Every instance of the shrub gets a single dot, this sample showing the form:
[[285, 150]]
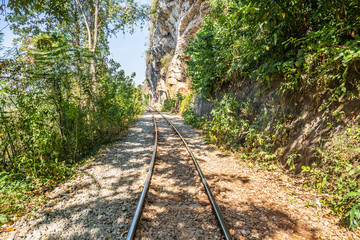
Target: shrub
[[191, 118], [166, 60], [172, 104]]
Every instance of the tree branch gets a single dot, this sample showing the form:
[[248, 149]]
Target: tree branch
[[96, 24], [86, 23]]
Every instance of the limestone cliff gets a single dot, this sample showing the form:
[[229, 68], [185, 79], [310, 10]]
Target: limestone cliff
[[173, 23]]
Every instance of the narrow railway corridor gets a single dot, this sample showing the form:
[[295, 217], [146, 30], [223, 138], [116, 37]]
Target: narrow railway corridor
[[177, 206]]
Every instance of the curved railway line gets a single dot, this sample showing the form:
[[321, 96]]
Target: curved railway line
[[138, 213]]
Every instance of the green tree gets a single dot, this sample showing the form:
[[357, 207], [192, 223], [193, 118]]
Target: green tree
[[60, 94], [310, 43]]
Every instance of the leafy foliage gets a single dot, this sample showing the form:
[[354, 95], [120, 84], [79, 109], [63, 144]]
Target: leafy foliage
[[185, 104], [146, 99], [191, 118], [50, 117], [338, 174], [311, 48], [60, 96], [172, 104], [229, 131], [166, 60], [310, 43]]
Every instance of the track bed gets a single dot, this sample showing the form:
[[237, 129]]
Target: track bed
[[177, 206]]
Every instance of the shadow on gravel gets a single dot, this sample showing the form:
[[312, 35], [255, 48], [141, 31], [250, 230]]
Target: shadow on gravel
[[193, 134], [176, 207], [112, 200], [227, 178], [246, 220], [259, 222], [256, 223], [101, 204]]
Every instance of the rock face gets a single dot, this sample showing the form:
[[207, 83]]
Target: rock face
[[173, 23]]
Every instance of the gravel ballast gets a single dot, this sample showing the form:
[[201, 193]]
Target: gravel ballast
[[99, 204], [177, 206], [256, 203], [261, 204]]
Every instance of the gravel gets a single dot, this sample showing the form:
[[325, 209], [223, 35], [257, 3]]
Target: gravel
[[99, 204], [177, 206], [261, 204], [256, 203]]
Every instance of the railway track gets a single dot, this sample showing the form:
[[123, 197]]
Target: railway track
[[138, 213]]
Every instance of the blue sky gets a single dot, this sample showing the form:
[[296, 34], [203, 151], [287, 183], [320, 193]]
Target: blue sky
[[128, 50]]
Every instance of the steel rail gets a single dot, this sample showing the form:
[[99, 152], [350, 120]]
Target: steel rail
[[140, 206], [219, 216]]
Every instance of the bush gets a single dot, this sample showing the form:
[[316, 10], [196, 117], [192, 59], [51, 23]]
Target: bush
[[185, 104], [50, 120], [309, 43], [169, 105], [312, 47], [166, 60], [191, 118], [172, 104], [337, 174]]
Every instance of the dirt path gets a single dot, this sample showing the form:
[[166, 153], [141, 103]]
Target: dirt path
[[177, 206], [260, 204]]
